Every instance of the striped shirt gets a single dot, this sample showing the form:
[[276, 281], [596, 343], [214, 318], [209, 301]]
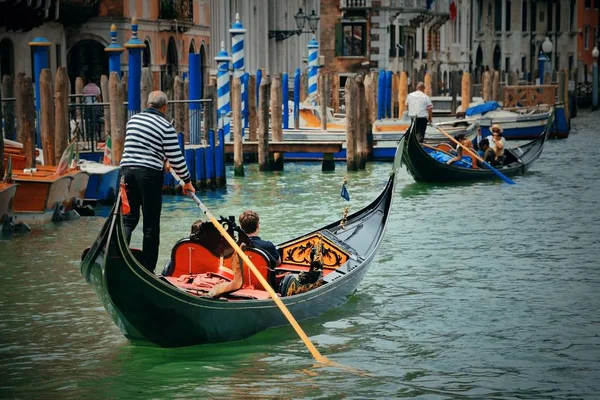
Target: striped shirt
[[149, 140]]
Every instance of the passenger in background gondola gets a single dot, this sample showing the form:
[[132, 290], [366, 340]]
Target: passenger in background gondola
[[497, 142], [464, 142], [249, 222]]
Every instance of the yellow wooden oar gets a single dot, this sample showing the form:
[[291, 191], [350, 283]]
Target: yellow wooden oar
[[313, 350]]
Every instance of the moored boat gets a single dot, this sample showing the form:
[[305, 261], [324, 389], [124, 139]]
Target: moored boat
[[102, 184], [7, 195], [424, 167], [176, 311]]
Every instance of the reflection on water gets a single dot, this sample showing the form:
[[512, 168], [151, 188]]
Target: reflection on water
[[481, 290]]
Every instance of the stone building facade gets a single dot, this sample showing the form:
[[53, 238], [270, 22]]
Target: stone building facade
[[271, 38]]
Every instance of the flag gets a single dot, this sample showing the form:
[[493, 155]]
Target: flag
[[125, 207], [452, 10], [344, 193], [107, 151], [66, 158]]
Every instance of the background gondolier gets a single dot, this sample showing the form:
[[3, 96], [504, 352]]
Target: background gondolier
[[149, 141], [420, 109]]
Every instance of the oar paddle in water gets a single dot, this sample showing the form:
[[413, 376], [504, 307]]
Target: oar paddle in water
[[313, 350], [472, 153]]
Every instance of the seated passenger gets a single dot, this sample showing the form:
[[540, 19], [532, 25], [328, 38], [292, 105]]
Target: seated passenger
[[464, 142], [249, 222], [497, 142]]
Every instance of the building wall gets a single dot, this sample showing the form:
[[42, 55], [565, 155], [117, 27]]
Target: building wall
[[258, 18], [21, 49], [587, 23]]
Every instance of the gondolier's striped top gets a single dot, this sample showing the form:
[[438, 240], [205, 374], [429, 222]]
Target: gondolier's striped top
[[149, 139]]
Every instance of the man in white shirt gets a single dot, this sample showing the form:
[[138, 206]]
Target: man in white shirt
[[420, 109]]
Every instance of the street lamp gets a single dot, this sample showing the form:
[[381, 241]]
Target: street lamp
[[595, 54], [543, 57], [301, 18]]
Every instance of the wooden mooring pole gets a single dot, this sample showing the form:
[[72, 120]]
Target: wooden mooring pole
[[106, 99], [236, 105], [351, 125], [26, 119], [361, 122], [276, 122], [47, 116], [117, 115], [61, 113], [263, 124], [253, 122]]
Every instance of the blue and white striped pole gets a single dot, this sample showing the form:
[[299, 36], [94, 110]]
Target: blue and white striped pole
[[313, 69], [223, 89], [135, 47], [114, 51], [237, 32]]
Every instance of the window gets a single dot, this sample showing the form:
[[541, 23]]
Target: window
[[572, 11], [533, 16], [507, 64], [588, 3], [351, 40], [508, 14], [393, 40], [58, 56], [596, 4], [571, 62], [586, 37], [523, 63], [498, 15], [524, 16], [7, 54]]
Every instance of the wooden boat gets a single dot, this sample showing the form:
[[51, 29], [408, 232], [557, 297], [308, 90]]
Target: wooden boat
[[43, 196], [7, 195], [425, 168], [102, 185], [171, 311]]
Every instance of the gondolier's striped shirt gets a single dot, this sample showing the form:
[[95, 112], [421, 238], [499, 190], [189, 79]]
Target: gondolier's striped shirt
[[149, 139]]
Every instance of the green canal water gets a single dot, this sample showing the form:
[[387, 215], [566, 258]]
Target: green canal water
[[483, 291]]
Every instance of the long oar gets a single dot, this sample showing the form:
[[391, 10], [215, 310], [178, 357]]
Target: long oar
[[472, 153], [313, 350]]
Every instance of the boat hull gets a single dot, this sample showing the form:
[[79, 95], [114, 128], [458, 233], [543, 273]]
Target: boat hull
[[102, 184], [38, 197], [7, 195], [424, 168]]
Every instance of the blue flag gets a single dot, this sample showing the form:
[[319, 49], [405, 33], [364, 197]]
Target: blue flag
[[344, 193]]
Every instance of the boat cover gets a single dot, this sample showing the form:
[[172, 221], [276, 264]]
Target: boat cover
[[482, 108]]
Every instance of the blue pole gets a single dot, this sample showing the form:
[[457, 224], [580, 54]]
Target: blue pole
[[296, 94], [541, 63], [285, 88], [40, 47], [200, 168], [134, 47], [381, 95], [258, 79], [210, 158], [195, 89], [220, 159], [114, 51], [189, 160]]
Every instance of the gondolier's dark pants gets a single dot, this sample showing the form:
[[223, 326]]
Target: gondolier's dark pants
[[144, 189], [421, 127]]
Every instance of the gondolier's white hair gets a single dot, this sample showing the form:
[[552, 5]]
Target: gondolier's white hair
[[157, 99]]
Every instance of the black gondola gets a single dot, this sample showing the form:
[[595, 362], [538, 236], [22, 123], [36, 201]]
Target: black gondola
[[170, 311], [424, 168]]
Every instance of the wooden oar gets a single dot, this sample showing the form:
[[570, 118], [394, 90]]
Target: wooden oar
[[313, 350], [472, 153]]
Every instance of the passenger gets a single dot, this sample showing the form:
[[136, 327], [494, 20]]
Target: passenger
[[485, 151], [249, 222], [464, 142], [497, 143]]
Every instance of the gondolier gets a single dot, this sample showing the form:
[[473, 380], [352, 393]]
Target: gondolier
[[149, 141], [420, 109]]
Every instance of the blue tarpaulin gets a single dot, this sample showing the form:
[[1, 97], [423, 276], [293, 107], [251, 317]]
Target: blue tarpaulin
[[482, 108]]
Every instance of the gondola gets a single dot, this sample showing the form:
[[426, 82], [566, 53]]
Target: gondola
[[173, 309], [425, 168]]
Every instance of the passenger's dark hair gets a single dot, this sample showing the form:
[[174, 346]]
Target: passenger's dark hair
[[249, 221], [459, 136]]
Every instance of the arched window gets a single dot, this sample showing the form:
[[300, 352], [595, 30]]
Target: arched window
[[7, 58], [192, 48], [524, 16], [172, 57], [147, 54], [497, 56]]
